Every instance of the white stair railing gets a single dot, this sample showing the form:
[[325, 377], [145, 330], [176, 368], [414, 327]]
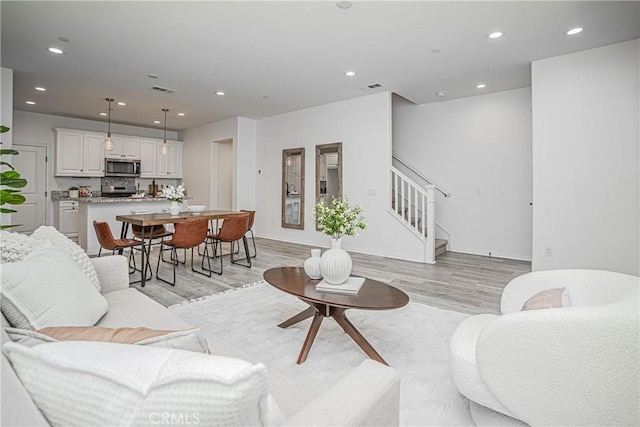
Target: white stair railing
[[414, 206]]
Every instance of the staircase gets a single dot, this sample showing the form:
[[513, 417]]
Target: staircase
[[414, 207]]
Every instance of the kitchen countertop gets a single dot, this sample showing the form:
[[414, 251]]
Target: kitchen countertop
[[115, 199]]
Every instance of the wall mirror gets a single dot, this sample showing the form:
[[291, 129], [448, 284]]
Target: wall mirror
[[293, 188], [328, 172]]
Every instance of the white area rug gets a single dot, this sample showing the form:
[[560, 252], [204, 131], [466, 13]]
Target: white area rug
[[413, 340]]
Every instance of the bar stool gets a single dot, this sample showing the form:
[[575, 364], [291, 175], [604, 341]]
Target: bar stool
[[252, 217], [187, 235], [233, 228], [108, 242]]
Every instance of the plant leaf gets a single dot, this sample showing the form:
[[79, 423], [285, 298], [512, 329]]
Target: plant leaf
[[6, 164], [2, 227], [9, 151], [4, 129], [7, 210]]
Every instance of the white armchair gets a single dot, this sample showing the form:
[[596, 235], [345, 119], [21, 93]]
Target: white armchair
[[576, 365]]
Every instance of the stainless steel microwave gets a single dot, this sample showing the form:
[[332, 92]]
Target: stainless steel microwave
[[114, 167]]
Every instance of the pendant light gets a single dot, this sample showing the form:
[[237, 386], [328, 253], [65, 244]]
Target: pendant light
[[108, 144], [165, 149]]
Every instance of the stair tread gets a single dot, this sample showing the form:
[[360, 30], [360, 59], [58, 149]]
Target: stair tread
[[441, 242]]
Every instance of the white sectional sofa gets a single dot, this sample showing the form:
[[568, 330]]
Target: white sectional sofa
[[369, 395]]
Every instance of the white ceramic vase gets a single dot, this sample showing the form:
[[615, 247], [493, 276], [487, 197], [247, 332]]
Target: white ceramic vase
[[335, 264], [312, 265], [174, 208]]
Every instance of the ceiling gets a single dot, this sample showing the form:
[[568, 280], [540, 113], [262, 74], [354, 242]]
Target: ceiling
[[275, 57]]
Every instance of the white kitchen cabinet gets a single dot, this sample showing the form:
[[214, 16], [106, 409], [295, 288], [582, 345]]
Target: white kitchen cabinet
[[65, 218], [149, 151], [79, 153], [124, 147], [169, 165]]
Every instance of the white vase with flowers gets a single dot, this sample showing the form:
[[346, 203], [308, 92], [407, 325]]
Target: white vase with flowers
[[175, 195], [338, 220]]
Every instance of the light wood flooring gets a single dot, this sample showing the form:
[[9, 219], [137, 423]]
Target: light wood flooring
[[465, 283]]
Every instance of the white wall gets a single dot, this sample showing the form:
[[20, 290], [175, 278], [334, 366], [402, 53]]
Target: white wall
[[479, 148], [363, 125], [246, 171], [585, 159], [200, 154], [6, 119], [37, 129]]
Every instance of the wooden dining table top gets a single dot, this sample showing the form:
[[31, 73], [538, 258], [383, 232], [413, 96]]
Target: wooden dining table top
[[167, 218]]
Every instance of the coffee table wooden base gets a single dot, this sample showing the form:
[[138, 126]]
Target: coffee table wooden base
[[319, 312]]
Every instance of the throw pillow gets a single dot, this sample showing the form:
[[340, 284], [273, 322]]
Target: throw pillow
[[189, 339], [549, 298], [59, 240], [48, 288], [15, 246], [96, 383]]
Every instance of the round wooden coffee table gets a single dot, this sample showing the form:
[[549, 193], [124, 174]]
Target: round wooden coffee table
[[373, 295]]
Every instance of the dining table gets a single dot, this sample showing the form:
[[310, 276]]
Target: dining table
[[153, 219]]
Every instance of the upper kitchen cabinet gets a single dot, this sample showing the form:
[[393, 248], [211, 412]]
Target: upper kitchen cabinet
[[149, 152], [79, 153], [124, 147], [169, 165]]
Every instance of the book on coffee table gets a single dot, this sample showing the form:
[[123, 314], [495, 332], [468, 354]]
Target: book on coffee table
[[350, 287]]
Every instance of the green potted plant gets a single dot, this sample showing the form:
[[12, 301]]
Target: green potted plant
[[74, 192], [10, 183]]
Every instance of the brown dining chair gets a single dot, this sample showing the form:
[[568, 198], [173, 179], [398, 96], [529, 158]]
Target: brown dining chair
[[110, 243], [158, 234], [233, 228], [187, 235], [252, 217]]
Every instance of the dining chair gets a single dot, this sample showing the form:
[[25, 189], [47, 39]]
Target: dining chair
[[187, 235], [233, 229], [108, 242], [158, 234], [252, 217]]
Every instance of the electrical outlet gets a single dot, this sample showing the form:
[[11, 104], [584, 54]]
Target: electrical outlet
[[548, 251]]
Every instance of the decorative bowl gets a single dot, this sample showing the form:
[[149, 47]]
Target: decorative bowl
[[196, 208]]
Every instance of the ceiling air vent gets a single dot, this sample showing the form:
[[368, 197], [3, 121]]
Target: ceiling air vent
[[372, 86], [163, 89]]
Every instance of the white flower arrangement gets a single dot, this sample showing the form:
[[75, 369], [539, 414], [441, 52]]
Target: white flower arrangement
[[339, 218], [173, 194]]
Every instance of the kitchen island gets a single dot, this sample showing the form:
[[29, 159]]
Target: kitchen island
[[106, 209]]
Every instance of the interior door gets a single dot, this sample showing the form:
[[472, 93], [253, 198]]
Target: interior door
[[31, 162]]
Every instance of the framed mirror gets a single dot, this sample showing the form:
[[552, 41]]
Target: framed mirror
[[328, 172], [293, 188]]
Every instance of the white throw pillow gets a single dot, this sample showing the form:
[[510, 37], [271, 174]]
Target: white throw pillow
[[95, 383], [48, 288], [15, 246], [188, 339], [52, 235]]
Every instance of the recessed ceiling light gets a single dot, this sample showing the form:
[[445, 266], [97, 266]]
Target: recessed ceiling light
[[102, 114], [574, 31], [344, 4], [495, 35], [481, 86], [152, 76], [220, 93], [350, 73], [122, 104], [40, 88], [440, 94], [55, 50], [30, 102], [181, 114], [63, 39], [435, 50], [156, 122]]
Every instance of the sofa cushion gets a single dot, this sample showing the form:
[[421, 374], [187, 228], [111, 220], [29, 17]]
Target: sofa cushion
[[95, 383], [48, 288], [15, 246], [52, 235], [189, 339], [130, 308], [548, 298]]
